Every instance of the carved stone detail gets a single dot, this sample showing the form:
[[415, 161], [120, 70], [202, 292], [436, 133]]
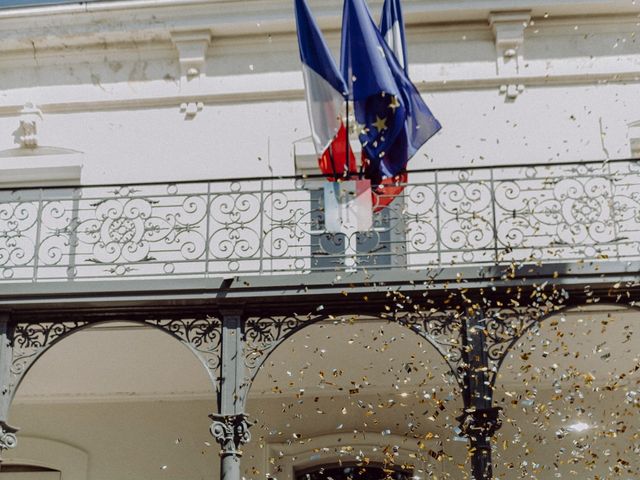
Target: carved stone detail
[[231, 432], [191, 109], [30, 119], [508, 29], [192, 48]]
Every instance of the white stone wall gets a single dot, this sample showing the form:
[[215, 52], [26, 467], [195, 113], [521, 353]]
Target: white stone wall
[[109, 84]]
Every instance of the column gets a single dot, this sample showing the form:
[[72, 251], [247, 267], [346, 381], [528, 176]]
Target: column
[[480, 419], [7, 433], [230, 426]]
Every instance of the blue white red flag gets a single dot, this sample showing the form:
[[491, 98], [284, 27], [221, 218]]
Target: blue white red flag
[[326, 93], [394, 120], [392, 29]]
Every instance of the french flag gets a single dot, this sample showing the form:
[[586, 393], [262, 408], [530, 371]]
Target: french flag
[[392, 29], [326, 93]]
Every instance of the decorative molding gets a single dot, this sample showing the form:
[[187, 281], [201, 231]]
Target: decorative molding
[[232, 18], [191, 109], [508, 29], [40, 167], [98, 103], [30, 121], [192, 48]]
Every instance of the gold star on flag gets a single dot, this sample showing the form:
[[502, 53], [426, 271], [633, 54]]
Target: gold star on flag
[[394, 104], [380, 123]]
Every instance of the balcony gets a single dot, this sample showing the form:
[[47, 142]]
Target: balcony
[[534, 214]]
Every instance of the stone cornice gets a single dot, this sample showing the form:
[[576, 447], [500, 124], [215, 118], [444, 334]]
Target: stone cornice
[[150, 20]]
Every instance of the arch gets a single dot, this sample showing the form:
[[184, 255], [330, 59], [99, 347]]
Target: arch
[[202, 336], [538, 321], [563, 386], [363, 397], [326, 449], [271, 332], [42, 452]]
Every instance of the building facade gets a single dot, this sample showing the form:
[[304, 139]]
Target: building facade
[[159, 190]]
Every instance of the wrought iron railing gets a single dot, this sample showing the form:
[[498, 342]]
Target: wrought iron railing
[[478, 216]]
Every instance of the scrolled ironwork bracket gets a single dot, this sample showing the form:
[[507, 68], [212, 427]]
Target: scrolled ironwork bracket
[[442, 330], [202, 335], [264, 334], [29, 341]]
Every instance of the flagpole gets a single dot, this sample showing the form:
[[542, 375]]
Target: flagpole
[[333, 162]]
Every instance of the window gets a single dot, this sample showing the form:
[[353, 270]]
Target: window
[[634, 139], [354, 472], [384, 246], [28, 472]]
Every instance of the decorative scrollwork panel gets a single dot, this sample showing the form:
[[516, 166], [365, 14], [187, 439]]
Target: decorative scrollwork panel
[[264, 334], [18, 234], [442, 329], [556, 213], [31, 340], [202, 335]]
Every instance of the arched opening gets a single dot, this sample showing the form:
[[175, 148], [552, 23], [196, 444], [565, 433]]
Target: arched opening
[[133, 398], [569, 390], [354, 391]]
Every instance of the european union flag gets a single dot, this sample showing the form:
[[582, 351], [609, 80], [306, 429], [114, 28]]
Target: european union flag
[[394, 120]]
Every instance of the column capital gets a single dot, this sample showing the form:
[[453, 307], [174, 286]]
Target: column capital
[[477, 424], [8, 437], [231, 432]]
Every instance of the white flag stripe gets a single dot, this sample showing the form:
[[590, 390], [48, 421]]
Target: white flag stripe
[[325, 106], [348, 207], [393, 38]]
